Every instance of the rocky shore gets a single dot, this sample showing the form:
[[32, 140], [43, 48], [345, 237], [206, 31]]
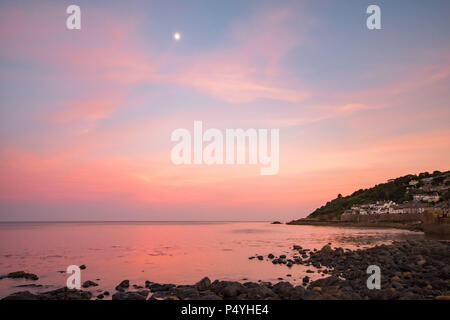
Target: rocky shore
[[409, 270], [411, 226]]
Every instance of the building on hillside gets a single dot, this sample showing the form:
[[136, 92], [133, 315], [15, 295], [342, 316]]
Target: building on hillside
[[385, 211], [380, 207], [396, 209], [413, 208], [426, 197]]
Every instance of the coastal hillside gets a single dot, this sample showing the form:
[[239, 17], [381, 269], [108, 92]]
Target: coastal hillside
[[428, 188]]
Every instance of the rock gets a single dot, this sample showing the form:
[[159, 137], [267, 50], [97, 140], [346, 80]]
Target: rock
[[106, 293], [82, 267], [250, 285], [185, 292], [397, 285], [282, 256], [211, 297], [305, 279], [407, 274], [230, 289], [155, 287], [260, 257], [65, 294], [283, 289], [298, 293], [30, 285], [22, 275], [395, 278], [339, 252], [120, 289], [21, 295], [259, 292], [327, 282], [89, 283], [295, 247], [124, 284], [100, 296], [421, 262], [203, 284], [317, 289], [162, 295], [410, 296], [128, 296], [270, 256], [443, 298], [143, 292]]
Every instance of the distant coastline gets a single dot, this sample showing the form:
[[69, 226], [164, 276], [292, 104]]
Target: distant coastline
[[411, 226]]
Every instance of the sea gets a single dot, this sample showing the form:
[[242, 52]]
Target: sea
[[166, 252]]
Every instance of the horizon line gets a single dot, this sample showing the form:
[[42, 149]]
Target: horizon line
[[81, 221]]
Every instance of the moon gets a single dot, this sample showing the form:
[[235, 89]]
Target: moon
[[177, 36]]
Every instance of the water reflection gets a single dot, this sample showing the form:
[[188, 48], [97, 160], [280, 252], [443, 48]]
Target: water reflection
[[180, 253]]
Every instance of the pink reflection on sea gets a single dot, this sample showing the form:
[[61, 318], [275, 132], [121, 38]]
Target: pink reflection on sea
[[166, 252]]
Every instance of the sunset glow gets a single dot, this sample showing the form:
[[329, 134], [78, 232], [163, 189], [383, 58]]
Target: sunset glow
[[86, 115]]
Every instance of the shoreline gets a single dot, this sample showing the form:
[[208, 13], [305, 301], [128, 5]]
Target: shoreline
[[409, 270], [412, 226]]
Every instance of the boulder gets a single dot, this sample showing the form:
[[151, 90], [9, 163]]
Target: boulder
[[155, 287], [203, 284], [283, 289], [65, 294], [128, 296], [89, 283], [210, 297], [21, 295], [22, 275]]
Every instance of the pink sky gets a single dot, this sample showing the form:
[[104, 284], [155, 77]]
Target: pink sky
[[86, 116]]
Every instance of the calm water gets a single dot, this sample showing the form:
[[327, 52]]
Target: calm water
[[180, 253]]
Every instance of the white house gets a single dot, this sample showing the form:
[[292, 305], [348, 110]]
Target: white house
[[426, 197]]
